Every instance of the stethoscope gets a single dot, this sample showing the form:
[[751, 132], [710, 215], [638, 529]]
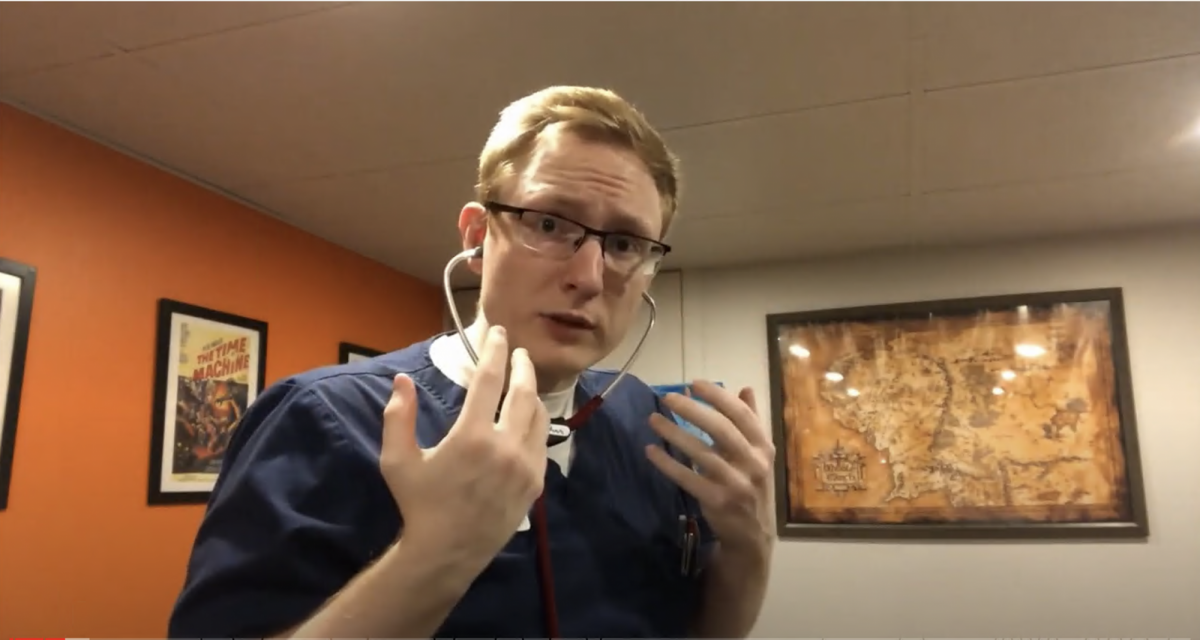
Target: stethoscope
[[559, 432], [585, 412]]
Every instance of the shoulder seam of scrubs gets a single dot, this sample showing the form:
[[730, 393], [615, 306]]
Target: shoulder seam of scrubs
[[325, 417]]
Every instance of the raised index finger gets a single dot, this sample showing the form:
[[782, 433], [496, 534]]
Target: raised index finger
[[487, 385], [521, 402]]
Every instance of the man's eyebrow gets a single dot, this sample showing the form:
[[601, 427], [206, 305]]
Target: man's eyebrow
[[628, 223], [559, 203]]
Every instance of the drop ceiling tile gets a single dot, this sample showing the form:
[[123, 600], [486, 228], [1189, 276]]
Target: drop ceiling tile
[[123, 102], [377, 84], [352, 89], [1062, 126], [40, 35], [136, 25], [132, 106], [1154, 196], [687, 64], [322, 116], [402, 202], [1146, 198], [848, 152], [971, 43], [406, 219], [765, 236]]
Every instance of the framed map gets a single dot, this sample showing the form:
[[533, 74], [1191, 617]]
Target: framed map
[[349, 352], [996, 417], [210, 368], [16, 309]]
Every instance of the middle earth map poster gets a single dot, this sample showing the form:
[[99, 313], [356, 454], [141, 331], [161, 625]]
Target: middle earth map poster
[[989, 417]]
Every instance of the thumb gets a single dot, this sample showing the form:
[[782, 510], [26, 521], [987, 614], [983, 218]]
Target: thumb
[[400, 418]]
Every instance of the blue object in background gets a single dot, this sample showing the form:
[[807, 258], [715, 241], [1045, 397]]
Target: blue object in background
[[685, 389]]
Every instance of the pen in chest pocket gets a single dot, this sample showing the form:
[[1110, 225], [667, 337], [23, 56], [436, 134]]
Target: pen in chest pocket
[[688, 544]]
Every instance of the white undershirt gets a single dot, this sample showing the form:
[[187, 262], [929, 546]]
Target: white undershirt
[[451, 358]]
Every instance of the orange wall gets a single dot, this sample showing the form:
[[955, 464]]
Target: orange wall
[[80, 552]]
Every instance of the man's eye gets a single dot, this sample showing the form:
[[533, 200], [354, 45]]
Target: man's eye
[[621, 244]]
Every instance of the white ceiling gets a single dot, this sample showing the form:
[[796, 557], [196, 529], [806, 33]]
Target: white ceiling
[[805, 129]]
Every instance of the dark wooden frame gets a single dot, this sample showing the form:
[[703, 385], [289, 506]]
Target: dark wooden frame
[[1136, 527], [347, 349], [166, 310], [27, 274]]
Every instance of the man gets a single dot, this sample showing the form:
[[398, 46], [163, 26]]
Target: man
[[393, 497]]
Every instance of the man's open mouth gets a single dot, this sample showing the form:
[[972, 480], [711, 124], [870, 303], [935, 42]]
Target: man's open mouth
[[572, 320]]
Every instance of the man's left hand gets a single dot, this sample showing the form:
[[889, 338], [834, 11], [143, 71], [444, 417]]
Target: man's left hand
[[734, 483]]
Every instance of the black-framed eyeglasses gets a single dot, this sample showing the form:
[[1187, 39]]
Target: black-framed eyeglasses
[[558, 237]]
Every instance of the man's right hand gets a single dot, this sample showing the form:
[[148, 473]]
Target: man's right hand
[[469, 493]]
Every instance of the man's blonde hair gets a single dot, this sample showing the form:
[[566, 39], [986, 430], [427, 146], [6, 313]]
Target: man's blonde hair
[[598, 114]]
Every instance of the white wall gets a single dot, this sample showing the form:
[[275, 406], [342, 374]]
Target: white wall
[[846, 589]]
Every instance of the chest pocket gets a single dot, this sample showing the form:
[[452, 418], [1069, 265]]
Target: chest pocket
[[637, 558]]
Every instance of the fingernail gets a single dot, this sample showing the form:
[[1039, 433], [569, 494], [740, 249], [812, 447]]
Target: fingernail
[[499, 331]]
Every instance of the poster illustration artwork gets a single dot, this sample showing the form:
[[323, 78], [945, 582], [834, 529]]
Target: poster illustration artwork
[[214, 371], [212, 394], [17, 282], [1007, 416]]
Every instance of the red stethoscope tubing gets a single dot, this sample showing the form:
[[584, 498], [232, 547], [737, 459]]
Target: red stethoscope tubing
[[541, 527]]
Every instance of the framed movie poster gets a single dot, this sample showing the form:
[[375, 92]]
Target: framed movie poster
[[16, 310], [209, 367], [348, 352], [997, 417]]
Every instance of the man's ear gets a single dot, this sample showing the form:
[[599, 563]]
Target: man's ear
[[472, 227]]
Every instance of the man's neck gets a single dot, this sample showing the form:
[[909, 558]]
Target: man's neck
[[546, 385]]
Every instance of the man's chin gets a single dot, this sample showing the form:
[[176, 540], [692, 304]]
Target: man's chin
[[562, 362]]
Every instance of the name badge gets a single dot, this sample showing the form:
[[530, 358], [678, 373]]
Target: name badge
[[559, 433]]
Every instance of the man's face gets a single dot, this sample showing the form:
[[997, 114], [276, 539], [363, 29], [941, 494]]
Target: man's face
[[568, 311]]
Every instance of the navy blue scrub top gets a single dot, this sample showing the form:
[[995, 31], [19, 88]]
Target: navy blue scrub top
[[300, 508]]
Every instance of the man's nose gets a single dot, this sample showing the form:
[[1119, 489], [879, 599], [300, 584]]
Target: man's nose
[[585, 269]]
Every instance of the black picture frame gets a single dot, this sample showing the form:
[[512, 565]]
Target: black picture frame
[[814, 396], [349, 352], [18, 282], [209, 367]]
